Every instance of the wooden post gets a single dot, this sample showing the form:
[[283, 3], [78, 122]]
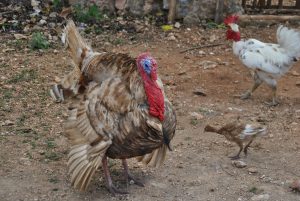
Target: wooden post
[[244, 3], [172, 11], [269, 3], [280, 3], [298, 4], [219, 11]]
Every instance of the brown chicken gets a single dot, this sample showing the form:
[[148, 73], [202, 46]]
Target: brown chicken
[[238, 133], [118, 109]]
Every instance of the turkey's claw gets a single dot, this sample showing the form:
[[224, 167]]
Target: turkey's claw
[[114, 190], [136, 182], [57, 93]]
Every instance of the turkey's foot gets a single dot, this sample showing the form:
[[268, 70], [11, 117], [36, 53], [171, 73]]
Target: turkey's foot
[[136, 181], [114, 190], [129, 176]]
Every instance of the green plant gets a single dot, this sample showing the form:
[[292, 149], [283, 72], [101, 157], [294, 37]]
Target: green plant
[[57, 4], [25, 75], [91, 14], [39, 41], [213, 25], [52, 156]]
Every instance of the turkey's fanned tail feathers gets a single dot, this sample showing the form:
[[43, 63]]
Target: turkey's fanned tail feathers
[[88, 148], [76, 45], [289, 39]]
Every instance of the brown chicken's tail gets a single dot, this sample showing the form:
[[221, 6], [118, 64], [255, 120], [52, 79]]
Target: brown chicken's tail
[[209, 128], [78, 48]]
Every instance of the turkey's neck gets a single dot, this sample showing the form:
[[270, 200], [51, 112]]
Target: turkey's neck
[[154, 95]]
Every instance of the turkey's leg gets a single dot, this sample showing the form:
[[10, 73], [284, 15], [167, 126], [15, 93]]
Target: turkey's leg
[[247, 146], [257, 83], [129, 176], [112, 189]]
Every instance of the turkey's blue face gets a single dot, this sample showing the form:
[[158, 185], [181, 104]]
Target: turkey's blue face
[[149, 66]]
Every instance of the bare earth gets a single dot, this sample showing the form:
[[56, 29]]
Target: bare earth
[[34, 149]]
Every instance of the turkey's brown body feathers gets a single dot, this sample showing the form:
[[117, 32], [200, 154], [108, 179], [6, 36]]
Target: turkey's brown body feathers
[[110, 117]]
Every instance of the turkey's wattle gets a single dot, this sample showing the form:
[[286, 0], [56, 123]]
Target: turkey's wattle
[[147, 67]]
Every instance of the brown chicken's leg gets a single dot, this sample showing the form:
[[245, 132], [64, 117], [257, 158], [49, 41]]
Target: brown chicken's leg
[[247, 146], [112, 189], [257, 83], [238, 154], [129, 176]]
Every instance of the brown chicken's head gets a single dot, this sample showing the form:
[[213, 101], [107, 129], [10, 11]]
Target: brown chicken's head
[[233, 32]]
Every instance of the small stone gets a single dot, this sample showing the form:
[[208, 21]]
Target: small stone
[[171, 37], [252, 170], [239, 164], [52, 25], [177, 25], [196, 115], [8, 123], [295, 73], [54, 38], [42, 22], [295, 185], [298, 83], [262, 197], [208, 64], [53, 14]]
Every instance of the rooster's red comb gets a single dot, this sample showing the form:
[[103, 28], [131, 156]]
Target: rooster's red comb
[[231, 19]]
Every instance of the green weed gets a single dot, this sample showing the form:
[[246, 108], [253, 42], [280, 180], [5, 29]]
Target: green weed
[[39, 41], [25, 75]]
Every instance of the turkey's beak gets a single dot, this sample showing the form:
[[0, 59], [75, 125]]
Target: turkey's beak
[[234, 27]]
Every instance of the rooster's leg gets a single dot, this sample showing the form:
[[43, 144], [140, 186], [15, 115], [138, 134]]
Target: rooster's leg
[[274, 101], [112, 189], [257, 83], [129, 176], [238, 154]]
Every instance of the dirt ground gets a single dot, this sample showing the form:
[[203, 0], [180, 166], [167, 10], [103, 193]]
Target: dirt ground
[[34, 149]]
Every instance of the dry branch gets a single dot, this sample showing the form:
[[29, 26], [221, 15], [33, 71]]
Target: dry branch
[[249, 18], [202, 46]]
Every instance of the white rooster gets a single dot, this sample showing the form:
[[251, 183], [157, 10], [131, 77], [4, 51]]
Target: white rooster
[[268, 61]]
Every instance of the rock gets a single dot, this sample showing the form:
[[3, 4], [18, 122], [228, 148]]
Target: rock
[[171, 37], [239, 164], [295, 73], [298, 83], [20, 36], [295, 185], [53, 14], [36, 28], [54, 38], [177, 25], [199, 92], [52, 25], [42, 22], [196, 115], [252, 170], [208, 64], [8, 123], [260, 197]]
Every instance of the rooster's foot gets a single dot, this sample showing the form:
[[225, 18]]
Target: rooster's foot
[[245, 95], [272, 103]]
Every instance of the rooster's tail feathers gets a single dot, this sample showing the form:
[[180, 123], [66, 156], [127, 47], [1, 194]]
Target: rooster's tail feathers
[[76, 45], [289, 39]]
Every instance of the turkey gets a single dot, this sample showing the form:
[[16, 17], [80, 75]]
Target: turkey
[[267, 61], [239, 133], [118, 110]]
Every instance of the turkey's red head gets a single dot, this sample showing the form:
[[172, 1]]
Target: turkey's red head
[[233, 32], [147, 67]]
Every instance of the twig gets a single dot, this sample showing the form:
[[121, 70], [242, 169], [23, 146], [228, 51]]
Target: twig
[[202, 46], [7, 12], [226, 171]]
